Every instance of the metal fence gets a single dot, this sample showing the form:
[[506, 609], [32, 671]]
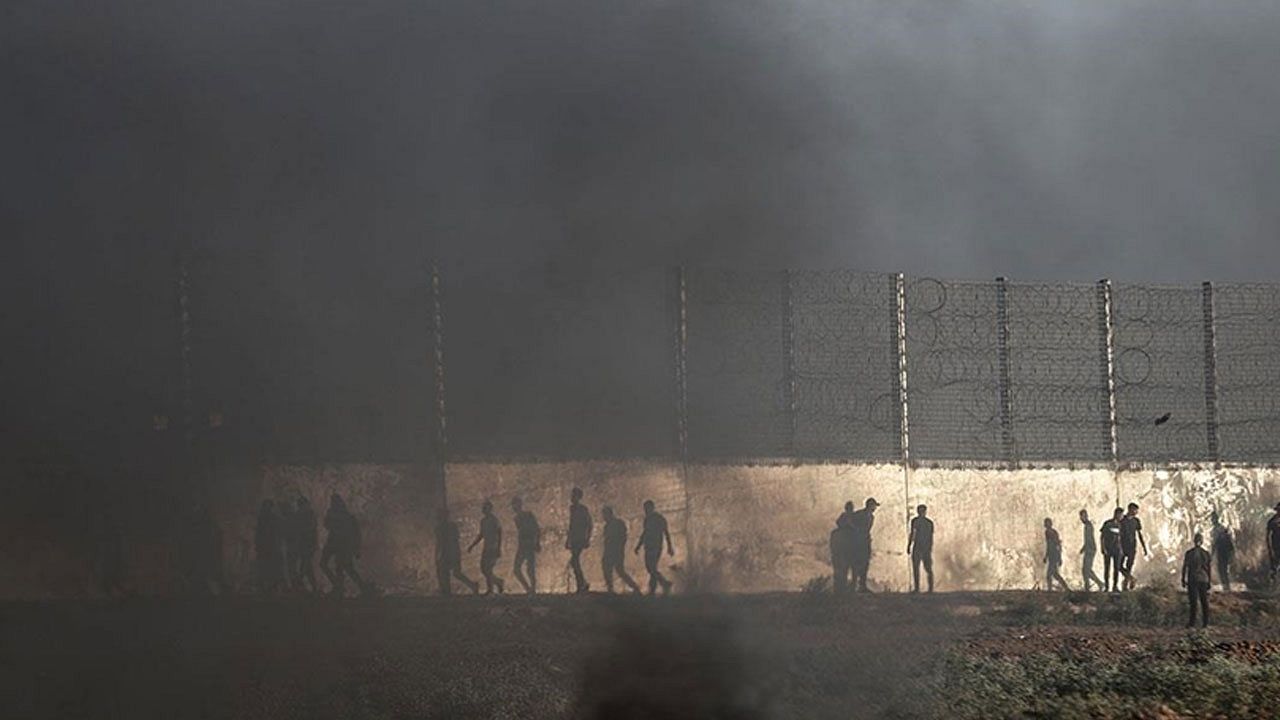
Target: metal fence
[[713, 364]]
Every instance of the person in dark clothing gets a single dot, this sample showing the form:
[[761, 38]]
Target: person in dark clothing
[[615, 551], [1196, 577], [449, 556], [1224, 549], [1130, 537], [920, 548], [579, 538], [302, 543], [528, 545], [860, 524], [1273, 542], [651, 539], [1112, 553], [268, 548], [841, 551], [491, 534], [341, 548], [1052, 557], [1088, 550], [847, 515]]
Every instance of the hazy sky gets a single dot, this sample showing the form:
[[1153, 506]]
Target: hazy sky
[[316, 153]]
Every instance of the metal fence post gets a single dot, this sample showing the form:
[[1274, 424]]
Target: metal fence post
[[789, 359], [899, 285], [1210, 371], [438, 406], [681, 338], [1002, 358], [1106, 363]]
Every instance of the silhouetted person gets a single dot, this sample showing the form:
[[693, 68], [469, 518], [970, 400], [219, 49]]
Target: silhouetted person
[[1112, 551], [491, 534], [579, 538], [860, 524], [1224, 549], [841, 554], [847, 514], [920, 547], [651, 539], [1088, 550], [1052, 557], [528, 545], [1196, 577], [615, 551], [302, 540], [1130, 538], [449, 556], [268, 548], [341, 548], [1273, 542]]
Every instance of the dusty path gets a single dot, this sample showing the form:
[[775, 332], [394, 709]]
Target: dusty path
[[785, 655]]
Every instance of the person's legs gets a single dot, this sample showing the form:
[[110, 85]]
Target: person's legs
[[1126, 568], [651, 560], [531, 572], [522, 558], [606, 566], [471, 584], [347, 564], [336, 585], [915, 572], [621, 569], [861, 564], [442, 578], [1202, 590], [575, 562], [839, 575], [928, 568], [1224, 571]]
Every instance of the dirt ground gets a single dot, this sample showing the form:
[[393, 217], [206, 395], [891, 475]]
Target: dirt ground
[[800, 655]]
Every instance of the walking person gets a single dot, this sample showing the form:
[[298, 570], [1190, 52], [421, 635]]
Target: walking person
[[268, 549], [1052, 557], [303, 541], [861, 523], [651, 539], [528, 545], [491, 535], [1273, 543], [449, 556], [920, 547], [841, 555], [1196, 577], [1224, 550], [614, 557], [579, 538], [1112, 552], [1088, 551], [1130, 538], [341, 548]]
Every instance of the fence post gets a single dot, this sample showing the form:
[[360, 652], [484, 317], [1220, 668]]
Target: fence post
[[1002, 358], [1210, 371], [1106, 364], [789, 359], [681, 342], [438, 386], [899, 285]]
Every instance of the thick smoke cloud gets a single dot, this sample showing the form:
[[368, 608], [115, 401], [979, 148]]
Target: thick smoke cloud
[[315, 155]]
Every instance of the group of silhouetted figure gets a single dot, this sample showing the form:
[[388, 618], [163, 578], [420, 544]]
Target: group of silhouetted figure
[[653, 538], [285, 548], [1120, 538]]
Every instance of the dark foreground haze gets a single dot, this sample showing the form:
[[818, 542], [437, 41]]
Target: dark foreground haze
[[802, 655]]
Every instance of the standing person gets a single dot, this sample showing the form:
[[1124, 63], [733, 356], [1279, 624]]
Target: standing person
[[268, 548], [491, 534], [651, 539], [1130, 537], [579, 538], [841, 550], [860, 524], [1087, 552], [341, 548], [920, 548], [1224, 549], [302, 557], [1112, 552], [449, 556], [615, 551], [528, 545], [1196, 576], [1052, 557], [1273, 542]]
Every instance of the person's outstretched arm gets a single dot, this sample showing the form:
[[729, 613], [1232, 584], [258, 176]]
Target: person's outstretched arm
[[1143, 540], [475, 542]]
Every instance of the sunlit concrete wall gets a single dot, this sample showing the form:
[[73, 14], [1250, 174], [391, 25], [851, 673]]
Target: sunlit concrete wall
[[737, 528]]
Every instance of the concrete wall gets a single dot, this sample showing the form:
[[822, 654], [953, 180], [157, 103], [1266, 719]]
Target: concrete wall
[[736, 528]]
